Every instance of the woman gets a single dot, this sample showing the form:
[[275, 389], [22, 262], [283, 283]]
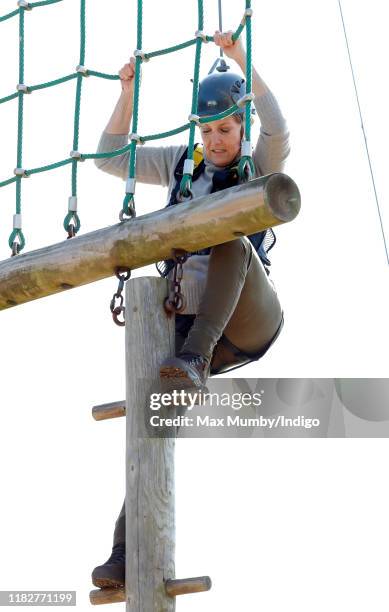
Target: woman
[[233, 314], [230, 318]]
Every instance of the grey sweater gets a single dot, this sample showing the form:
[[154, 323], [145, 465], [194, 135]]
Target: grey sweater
[[156, 165]]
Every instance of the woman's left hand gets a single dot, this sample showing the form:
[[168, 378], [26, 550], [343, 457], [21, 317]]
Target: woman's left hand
[[233, 50]]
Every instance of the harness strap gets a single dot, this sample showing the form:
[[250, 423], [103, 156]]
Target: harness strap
[[226, 177]]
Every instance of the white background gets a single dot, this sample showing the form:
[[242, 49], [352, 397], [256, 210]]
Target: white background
[[275, 523]]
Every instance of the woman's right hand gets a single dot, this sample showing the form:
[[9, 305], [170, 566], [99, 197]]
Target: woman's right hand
[[126, 75]]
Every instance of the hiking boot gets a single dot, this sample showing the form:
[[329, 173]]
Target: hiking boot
[[187, 371], [112, 573]]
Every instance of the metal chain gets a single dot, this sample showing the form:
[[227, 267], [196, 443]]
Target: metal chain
[[184, 196], [128, 211], [176, 302], [123, 274]]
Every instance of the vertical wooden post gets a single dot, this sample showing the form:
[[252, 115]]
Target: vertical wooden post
[[150, 518]]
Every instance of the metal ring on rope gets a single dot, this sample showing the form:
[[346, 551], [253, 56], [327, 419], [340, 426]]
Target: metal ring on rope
[[246, 168], [128, 211], [16, 241], [72, 224], [186, 196], [123, 216], [185, 192], [15, 248]]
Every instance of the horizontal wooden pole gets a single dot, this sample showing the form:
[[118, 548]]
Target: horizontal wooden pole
[[213, 219], [183, 586], [173, 588], [106, 596], [109, 411]]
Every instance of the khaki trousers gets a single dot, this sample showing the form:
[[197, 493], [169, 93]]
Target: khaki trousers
[[239, 317]]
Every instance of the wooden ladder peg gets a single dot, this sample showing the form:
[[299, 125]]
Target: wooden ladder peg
[[183, 586], [109, 411], [106, 596]]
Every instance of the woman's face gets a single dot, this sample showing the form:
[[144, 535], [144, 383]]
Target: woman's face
[[222, 140]]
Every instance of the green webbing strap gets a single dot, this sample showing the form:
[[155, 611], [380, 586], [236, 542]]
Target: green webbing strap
[[246, 165]]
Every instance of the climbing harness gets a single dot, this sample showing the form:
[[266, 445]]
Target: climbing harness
[[123, 274], [262, 242]]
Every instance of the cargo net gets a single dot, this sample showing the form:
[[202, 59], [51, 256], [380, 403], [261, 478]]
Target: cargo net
[[71, 221]]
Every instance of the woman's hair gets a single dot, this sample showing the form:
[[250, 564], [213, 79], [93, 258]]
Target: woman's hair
[[239, 119]]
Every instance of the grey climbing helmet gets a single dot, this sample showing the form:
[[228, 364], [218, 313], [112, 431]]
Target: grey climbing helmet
[[219, 91]]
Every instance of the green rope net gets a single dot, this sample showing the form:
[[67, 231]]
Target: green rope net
[[72, 222]]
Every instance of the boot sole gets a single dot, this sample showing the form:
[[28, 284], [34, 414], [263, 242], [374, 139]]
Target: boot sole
[[172, 376], [105, 583]]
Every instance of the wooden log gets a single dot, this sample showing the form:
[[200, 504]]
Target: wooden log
[[183, 586], [106, 596], [213, 219], [173, 588], [111, 410], [150, 512]]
